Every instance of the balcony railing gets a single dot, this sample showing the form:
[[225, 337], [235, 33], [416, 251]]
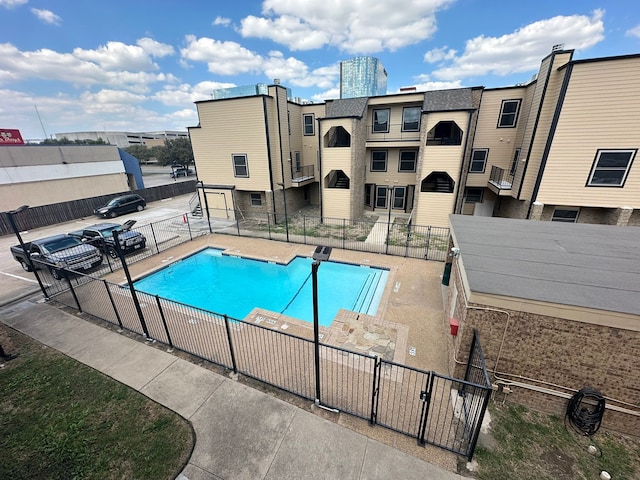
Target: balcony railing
[[500, 178], [391, 133], [302, 174]]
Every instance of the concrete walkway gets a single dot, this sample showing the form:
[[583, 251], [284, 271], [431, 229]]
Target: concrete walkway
[[241, 433]]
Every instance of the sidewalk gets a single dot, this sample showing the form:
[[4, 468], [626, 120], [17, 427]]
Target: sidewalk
[[241, 433]]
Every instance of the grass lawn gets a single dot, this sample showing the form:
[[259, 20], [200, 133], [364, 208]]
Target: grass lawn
[[531, 445], [60, 419]]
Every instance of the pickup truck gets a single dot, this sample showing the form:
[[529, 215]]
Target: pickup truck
[[100, 236], [63, 251]]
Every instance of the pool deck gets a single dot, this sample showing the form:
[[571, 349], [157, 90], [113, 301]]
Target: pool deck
[[409, 327]]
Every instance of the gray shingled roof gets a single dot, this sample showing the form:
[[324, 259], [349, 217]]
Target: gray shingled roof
[[444, 100], [346, 107], [593, 266]]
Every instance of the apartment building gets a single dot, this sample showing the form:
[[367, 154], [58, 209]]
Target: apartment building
[[551, 149]]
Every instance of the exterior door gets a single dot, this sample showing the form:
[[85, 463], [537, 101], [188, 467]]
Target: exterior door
[[399, 195]]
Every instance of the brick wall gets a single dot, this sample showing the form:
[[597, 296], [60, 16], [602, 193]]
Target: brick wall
[[552, 353]]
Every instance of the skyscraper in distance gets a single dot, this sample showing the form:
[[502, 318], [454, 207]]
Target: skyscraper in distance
[[362, 77]]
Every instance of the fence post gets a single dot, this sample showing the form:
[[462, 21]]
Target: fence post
[[113, 304], [374, 392], [388, 235], [478, 426], [344, 232], [235, 214], [406, 249], [304, 228], [231, 351], [164, 321], [186, 216], [155, 240], [65, 274], [269, 225]]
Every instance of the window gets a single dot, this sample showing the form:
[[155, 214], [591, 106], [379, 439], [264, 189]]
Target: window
[[478, 160], [473, 195], [240, 167], [567, 215], [399, 194], [309, 123], [445, 133], [411, 119], [514, 164], [381, 197], [610, 168], [407, 161], [509, 113], [438, 182], [256, 199], [379, 161], [381, 120]]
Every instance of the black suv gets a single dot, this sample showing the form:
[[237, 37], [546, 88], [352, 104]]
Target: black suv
[[121, 205]]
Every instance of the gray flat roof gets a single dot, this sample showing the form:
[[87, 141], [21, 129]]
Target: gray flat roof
[[593, 266]]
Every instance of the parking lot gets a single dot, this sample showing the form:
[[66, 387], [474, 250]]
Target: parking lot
[[15, 282]]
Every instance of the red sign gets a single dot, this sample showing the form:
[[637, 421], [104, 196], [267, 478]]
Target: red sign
[[10, 137]]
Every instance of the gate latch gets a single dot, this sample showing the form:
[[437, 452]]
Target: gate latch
[[424, 396]]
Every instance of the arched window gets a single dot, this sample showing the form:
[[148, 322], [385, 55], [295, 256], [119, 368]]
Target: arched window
[[438, 182], [445, 133]]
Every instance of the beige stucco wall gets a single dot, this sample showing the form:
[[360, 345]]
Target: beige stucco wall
[[601, 109]]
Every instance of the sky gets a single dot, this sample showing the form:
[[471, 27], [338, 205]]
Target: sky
[[73, 65]]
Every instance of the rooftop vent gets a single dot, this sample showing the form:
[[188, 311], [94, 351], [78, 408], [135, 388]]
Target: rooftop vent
[[557, 47]]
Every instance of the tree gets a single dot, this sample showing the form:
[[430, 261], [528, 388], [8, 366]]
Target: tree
[[67, 141], [179, 151], [142, 153]]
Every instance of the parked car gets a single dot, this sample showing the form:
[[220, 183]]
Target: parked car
[[121, 205], [100, 236], [61, 251], [180, 172]]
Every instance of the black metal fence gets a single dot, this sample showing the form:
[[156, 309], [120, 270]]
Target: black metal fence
[[399, 237], [433, 408]]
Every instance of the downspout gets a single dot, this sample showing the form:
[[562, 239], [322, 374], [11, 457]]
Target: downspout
[[552, 132], [535, 125], [266, 129], [320, 167]]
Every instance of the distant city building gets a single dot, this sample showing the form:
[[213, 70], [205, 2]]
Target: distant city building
[[123, 139], [245, 91], [362, 77]]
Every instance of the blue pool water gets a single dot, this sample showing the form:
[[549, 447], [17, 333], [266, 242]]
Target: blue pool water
[[234, 286]]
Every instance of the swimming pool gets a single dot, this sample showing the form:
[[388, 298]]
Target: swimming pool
[[234, 286]]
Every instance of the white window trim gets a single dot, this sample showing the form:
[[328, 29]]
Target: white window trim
[[246, 164], [562, 219], [373, 120], [313, 124], [515, 115], [486, 158], [415, 161], [594, 167], [417, 129]]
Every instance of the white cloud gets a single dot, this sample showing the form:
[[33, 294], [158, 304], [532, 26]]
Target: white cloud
[[522, 50], [224, 58], [438, 54], [9, 4], [185, 95], [634, 32], [82, 67], [330, 94], [355, 26], [221, 21], [47, 16], [435, 85], [117, 56], [154, 48]]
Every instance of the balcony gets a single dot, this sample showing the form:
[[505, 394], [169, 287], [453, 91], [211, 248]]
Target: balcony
[[302, 176], [500, 181], [393, 133]]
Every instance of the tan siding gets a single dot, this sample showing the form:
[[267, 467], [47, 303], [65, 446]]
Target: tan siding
[[601, 109], [228, 127], [279, 134], [433, 208], [443, 158], [396, 105], [544, 123], [501, 142], [310, 142], [336, 203]]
